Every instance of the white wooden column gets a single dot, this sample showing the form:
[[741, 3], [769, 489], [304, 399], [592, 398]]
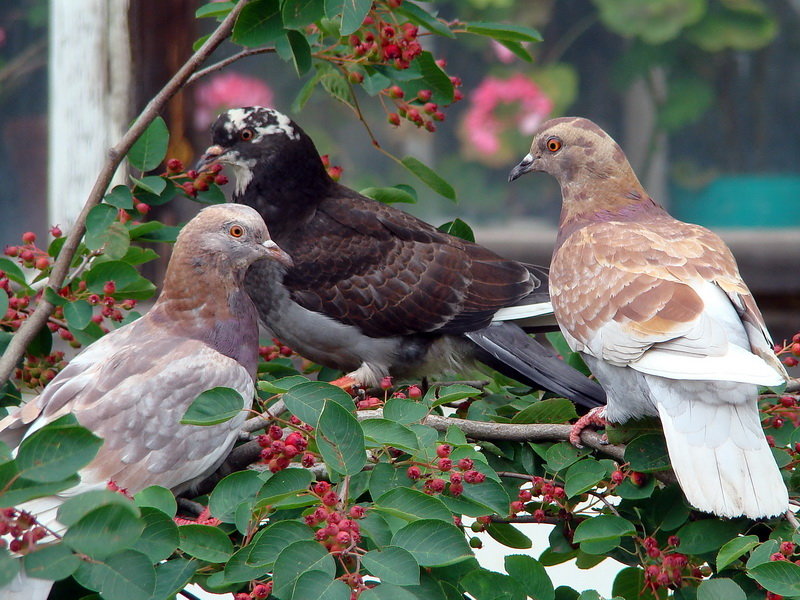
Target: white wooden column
[[90, 81]]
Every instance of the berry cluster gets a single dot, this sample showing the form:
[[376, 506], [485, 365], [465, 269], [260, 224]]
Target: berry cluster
[[277, 350], [789, 351], [334, 171], [778, 409], [637, 479], [278, 452], [667, 568], [258, 591], [19, 530], [29, 255], [381, 40], [337, 530], [419, 110], [192, 182], [443, 464], [38, 371]]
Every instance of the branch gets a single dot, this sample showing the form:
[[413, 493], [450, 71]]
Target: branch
[[32, 325], [227, 61]]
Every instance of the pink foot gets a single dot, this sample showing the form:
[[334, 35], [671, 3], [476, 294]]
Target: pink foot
[[594, 418], [347, 383], [204, 518]]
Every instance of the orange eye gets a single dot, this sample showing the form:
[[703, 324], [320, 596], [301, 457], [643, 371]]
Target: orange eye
[[247, 134], [236, 231], [554, 144]]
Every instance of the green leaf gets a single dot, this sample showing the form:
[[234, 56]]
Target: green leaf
[[172, 576], [458, 228], [353, 14], [483, 584], [648, 453], [419, 16], [213, 407], [560, 456], [158, 497], [778, 576], [433, 78], [205, 542], [9, 567], [699, 537], [213, 195], [299, 14], [721, 589], [388, 591], [97, 221], [583, 476], [56, 451], [284, 384], [229, 493], [77, 507], [489, 493], [518, 49], [389, 195], [214, 9], [128, 575], [270, 542], [258, 24], [551, 410], [306, 401], [301, 51], [284, 484], [12, 271], [389, 433], [320, 586], [654, 22], [404, 411], [296, 559], [505, 32], [151, 148], [104, 531], [391, 564], [4, 303], [122, 274], [604, 527], [51, 562], [429, 177], [410, 504], [531, 575], [340, 440], [433, 543], [78, 314], [734, 549], [762, 553], [152, 184], [160, 538], [508, 535]]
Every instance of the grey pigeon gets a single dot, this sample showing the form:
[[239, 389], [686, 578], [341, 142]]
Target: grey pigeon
[[660, 313], [133, 386], [375, 291]]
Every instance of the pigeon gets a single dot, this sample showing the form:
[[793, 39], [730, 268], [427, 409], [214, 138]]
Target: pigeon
[[133, 386], [660, 314], [374, 291]]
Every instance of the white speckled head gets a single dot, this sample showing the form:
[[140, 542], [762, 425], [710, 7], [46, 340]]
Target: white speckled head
[[263, 121]]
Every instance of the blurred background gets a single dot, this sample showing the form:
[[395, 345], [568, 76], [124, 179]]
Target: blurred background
[[702, 95]]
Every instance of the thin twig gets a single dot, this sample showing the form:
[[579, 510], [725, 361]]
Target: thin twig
[[227, 61], [32, 325]]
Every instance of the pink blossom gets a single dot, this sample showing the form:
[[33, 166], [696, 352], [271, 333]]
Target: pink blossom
[[499, 105], [228, 90]]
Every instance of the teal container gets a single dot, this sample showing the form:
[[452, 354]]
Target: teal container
[[740, 201]]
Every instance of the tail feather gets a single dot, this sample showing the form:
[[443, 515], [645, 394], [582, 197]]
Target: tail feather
[[718, 449], [508, 349]]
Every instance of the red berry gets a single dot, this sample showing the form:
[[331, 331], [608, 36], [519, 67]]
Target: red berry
[[443, 450], [330, 499], [788, 401], [465, 464], [386, 383], [109, 288], [456, 489], [26, 255], [42, 263], [28, 237], [143, 208], [787, 548], [777, 556], [436, 484], [357, 512], [275, 432], [414, 392], [395, 91], [220, 180], [308, 460], [617, 477], [11, 251], [321, 488], [790, 361], [795, 349], [674, 541], [517, 506], [188, 188], [638, 479], [394, 119], [445, 464], [55, 231], [539, 515], [413, 473]]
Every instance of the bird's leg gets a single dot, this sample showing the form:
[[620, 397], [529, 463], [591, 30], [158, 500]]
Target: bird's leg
[[347, 383], [594, 418]]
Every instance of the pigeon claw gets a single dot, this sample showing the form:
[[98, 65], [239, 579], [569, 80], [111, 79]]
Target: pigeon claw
[[594, 418], [347, 383]]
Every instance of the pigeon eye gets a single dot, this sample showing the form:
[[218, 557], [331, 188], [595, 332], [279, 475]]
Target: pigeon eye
[[236, 231], [554, 144], [247, 134]]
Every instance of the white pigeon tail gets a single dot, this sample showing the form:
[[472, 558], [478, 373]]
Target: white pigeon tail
[[661, 315]]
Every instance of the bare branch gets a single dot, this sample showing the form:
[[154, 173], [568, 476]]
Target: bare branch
[[32, 325], [227, 61]]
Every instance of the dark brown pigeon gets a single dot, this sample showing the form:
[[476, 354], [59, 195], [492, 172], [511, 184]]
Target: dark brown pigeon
[[375, 291], [661, 315], [133, 386]]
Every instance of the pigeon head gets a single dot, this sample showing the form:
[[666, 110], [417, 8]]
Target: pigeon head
[[262, 146], [572, 147], [233, 236]]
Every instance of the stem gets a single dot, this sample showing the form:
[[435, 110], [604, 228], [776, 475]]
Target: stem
[[227, 61], [32, 325]]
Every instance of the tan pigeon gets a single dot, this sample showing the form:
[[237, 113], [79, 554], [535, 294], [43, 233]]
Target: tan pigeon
[[133, 386], [658, 310]]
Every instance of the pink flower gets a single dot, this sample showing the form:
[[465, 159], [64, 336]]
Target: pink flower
[[515, 104], [228, 90]]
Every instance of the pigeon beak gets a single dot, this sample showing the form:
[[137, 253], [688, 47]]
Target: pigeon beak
[[275, 253], [526, 166], [211, 155]]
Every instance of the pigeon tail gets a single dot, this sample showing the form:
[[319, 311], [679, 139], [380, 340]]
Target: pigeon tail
[[508, 349], [718, 449]]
